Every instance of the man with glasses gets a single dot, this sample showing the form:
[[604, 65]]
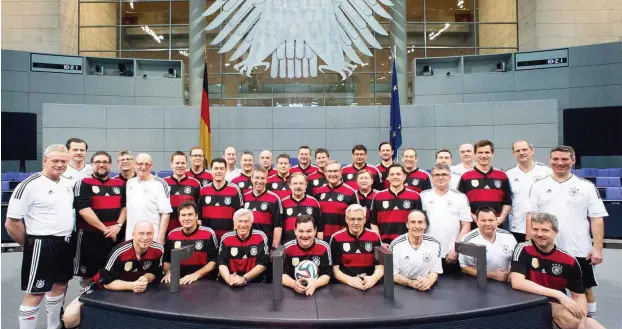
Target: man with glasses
[[443, 157], [148, 198], [125, 163], [197, 167], [359, 162]]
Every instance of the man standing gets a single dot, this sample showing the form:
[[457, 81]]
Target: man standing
[[353, 251], [449, 216], [247, 162], [499, 245], [334, 198], [365, 192], [77, 167], [317, 179], [182, 188], [266, 207], [443, 157], [231, 157], [359, 162], [390, 207], [100, 206], [265, 161], [125, 163], [485, 185], [304, 162], [278, 183], [467, 162], [416, 179], [219, 200], [298, 204], [577, 205], [197, 168], [522, 176], [148, 198], [385, 151]]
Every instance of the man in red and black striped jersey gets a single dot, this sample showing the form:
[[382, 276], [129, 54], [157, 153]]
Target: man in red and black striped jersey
[[539, 267], [247, 162], [197, 167], [353, 251], [359, 162], [304, 162], [219, 200], [297, 204], [203, 240], [182, 187], [266, 207], [385, 151], [416, 179], [243, 255], [334, 198], [317, 179], [265, 161], [366, 192], [125, 163], [100, 213], [390, 207], [485, 185], [278, 183], [306, 247], [131, 266]]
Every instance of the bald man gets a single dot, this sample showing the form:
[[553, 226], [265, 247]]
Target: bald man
[[265, 161], [231, 157], [132, 266], [467, 159], [147, 198]]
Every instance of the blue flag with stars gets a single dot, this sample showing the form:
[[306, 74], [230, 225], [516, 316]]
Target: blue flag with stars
[[396, 117]]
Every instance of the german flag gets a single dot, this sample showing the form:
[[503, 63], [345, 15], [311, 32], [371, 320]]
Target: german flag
[[204, 126]]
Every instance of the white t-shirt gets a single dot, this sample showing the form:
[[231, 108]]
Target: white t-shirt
[[455, 180], [498, 253], [445, 213], [146, 200], [45, 205], [520, 183], [572, 201], [230, 175], [75, 175], [412, 263], [460, 169]]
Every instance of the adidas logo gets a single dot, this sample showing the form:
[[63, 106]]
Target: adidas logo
[[549, 191], [407, 257]]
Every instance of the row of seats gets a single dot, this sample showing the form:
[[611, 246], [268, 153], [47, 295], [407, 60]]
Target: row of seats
[[611, 193], [608, 182], [595, 172]]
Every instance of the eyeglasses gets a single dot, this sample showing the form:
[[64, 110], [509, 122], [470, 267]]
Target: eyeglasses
[[125, 159], [331, 171], [97, 163], [357, 220], [440, 175], [196, 155]]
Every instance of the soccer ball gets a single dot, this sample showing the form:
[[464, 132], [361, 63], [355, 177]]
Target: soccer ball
[[306, 270]]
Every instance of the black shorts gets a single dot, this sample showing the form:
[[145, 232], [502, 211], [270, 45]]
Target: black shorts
[[587, 270], [46, 260], [520, 237], [92, 250]]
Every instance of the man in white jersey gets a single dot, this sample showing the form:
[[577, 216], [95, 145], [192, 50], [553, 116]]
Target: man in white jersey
[[416, 256], [45, 202], [578, 207], [148, 198], [443, 156], [77, 167], [521, 177], [449, 215], [499, 245], [467, 159], [231, 157]]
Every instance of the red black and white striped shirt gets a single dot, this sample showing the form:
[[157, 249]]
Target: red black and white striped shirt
[[278, 185], [333, 204], [105, 197], [123, 264], [204, 177], [293, 208], [355, 254], [217, 207], [307, 171], [486, 189], [315, 181], [267, 211], [384, 174], [349, 173], [182, 190], [365, 201], [243, 182], [389, 211], [203, 241], [418, 180], [242, 255], [318, 253]]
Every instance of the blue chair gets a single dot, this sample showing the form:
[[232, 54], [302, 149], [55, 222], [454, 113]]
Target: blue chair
[[20, 176], [602, 172], [592, 172], [602, 181], [614, 182], [580, 172], [10, 176], [294, 161], [113, 174], [613, 193], [163, 174], [5, 186]]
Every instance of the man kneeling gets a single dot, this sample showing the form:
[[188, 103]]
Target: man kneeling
[[539, 267], [131, 265], [306, 261]]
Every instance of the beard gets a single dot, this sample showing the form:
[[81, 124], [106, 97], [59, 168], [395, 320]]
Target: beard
[[100, 176]]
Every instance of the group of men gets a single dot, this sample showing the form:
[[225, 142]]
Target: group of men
[[334, 216]]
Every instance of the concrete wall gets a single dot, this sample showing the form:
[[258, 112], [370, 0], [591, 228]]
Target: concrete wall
[[496, 35], [163, 130], [100, 38]]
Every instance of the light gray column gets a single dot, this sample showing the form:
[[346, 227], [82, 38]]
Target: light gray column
[[398, 39], [196, 53]]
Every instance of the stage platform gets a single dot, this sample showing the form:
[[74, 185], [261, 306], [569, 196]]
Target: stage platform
[[454, 302]]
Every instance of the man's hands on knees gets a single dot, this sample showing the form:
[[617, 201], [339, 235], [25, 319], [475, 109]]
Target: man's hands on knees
[[572, 306]]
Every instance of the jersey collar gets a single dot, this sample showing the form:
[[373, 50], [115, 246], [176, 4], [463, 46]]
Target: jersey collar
[[484, 173], [191, 233], [542, 252], [306, 249], [257, 196], [398, 193], [363, 167], [301, 200], [180, 180], [101, 180]]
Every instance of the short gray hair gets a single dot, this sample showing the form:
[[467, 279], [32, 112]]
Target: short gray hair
[[334, 162], [522, 140], [543, 217], [54, 148], [356, 207], [441, 167], [243, 212]]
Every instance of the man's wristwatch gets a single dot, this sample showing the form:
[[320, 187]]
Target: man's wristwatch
[[245, 279], [120, 225]]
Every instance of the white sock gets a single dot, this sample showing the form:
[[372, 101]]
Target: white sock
[[54, 304], [591, 309], [28, 317]]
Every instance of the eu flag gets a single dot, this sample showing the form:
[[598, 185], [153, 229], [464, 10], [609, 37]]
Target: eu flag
[[396, 117]]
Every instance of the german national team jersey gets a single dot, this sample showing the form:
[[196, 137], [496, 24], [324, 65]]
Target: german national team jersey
[[556, 269], [267, 211], [292, 208], [307, 171], [272, 171], [122, 264], [204, 177], [355, 254], [217, 207], [202, 240], [418, 180], [572, 202], [241, 256], [105, 197], [318, 253], [315, 181], [384, 174], [182, 190], [486, 189], [498, 253], [520, 183], [460, 169], [333, 204], [389, 211], [123, 179], [349, 172], [278, 185], [412, 263], [445, 213], [365, 201], [243, 182]]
